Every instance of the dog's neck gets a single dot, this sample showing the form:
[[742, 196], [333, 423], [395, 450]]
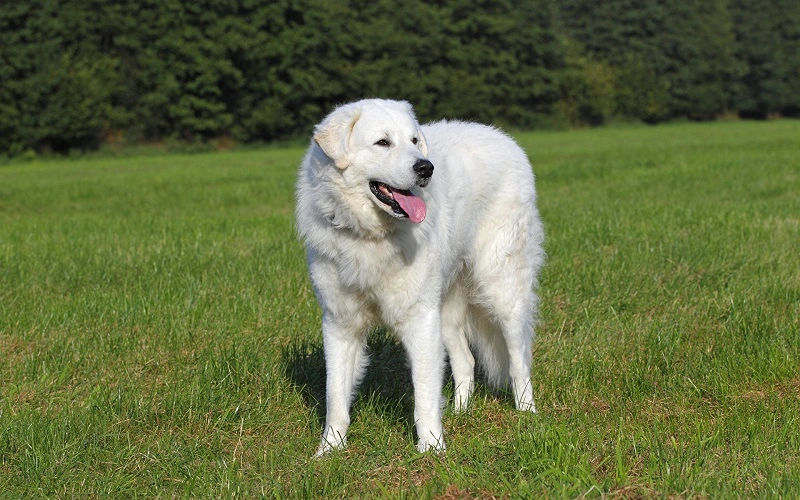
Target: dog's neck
[[342, 220], [363, 221]]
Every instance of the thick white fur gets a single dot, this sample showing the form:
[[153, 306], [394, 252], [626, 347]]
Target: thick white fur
[[464, 277]]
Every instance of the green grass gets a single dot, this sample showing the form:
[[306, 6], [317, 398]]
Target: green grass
[[159, 337]]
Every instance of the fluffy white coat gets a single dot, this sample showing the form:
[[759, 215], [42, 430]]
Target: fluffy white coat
[[464, 276]]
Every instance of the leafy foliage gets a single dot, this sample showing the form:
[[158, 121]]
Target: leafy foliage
[[768, 33], [75, 73]]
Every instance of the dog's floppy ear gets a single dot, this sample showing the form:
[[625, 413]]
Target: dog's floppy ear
[[333, 134], [423, 144]]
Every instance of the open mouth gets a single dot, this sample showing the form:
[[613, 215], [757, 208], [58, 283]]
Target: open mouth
[[402, 201]]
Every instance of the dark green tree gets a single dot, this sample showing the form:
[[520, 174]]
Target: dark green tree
[[768, 36], [673, 59], [701, 66], [56, 84], [74, 73]]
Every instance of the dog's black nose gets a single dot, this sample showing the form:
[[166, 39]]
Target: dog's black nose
[[424, 168]]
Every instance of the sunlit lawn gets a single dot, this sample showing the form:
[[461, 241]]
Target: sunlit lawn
[[159, 337]]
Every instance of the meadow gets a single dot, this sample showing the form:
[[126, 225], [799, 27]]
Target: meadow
[[159, 336]]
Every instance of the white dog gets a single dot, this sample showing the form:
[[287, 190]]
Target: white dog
[[432, 230]]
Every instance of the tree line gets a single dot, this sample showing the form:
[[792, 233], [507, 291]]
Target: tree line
[[77, 73]]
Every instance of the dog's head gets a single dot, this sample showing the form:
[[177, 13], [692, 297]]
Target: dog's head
[[379, 149]]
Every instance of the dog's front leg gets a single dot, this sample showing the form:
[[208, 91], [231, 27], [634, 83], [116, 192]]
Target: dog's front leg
[[423, 343], [345, 363]]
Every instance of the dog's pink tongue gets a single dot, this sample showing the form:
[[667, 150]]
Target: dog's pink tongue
[[412, 205]]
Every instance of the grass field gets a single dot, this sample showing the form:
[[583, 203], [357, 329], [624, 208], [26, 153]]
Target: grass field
[[159, 337]]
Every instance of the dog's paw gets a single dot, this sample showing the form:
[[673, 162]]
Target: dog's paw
[[431, 444], [523, 395], [462, 396], [328, 445]]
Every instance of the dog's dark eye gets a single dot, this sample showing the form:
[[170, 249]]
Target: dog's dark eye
[[383, 143], [414, 140]]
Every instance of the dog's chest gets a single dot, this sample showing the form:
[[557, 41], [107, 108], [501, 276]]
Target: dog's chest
[[369, 265], [383, 272]]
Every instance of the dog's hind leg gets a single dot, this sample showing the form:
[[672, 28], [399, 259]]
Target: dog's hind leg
[[455, 318], [507, 350], [506, 274], [518, 332]]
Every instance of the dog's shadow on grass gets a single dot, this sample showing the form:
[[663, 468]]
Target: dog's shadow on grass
[[386, 387]]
